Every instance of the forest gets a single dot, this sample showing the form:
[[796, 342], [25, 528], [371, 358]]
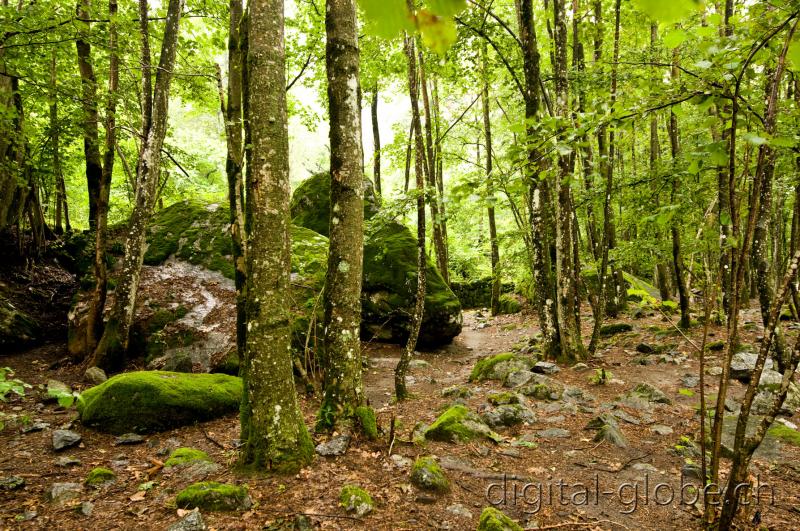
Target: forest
[[399, 264]]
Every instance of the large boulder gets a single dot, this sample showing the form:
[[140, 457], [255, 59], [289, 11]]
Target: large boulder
[[154, 401], [17, 329], [311, 204]]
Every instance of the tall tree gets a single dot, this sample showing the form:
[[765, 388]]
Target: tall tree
[[494, 248], [274, 435], [62, 208], [342, 294], [376, 141]]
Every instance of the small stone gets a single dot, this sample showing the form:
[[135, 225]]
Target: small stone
[[36, 426], [607, 430], [418, 364], [508, 415], [690, 380], [644, 467], [580, 367], [400, 461], [692, 471], [86, 508], [456, 391], [624, 416], [517, 378], [58, 493], [56, 388], [545, 367], [191, 522], [355, 499], [336, 446], [553, 433], [11, 483], [511, 452], [129, 438], [557, 419], [660, 429], [459, 510], [714, 371], [644, 348], [95, 375], [65, 439], [67, 461], [743, 364]]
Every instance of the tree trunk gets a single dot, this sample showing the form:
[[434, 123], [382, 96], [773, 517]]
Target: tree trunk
[[62, 209], [401, 392], [274, 435], [493, 245], [342, 295], [112, 347], [376, 143]]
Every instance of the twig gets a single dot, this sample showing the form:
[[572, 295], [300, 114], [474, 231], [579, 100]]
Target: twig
[[213, 440], [579, 524]]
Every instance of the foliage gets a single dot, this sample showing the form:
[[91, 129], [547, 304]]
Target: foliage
[[11, 385]]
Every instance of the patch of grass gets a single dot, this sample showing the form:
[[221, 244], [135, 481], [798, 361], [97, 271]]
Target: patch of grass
[[785, 434]]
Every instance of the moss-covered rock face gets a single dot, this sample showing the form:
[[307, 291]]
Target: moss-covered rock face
[[153, 401], [493, 520], [426, 474], [213, 496], [509, 304], [185, 455], [311, 203], [99, 477], [17, 329], [477, 293], [389, 287], [367, 421], [355, 499], [459, 424], [499, 366]]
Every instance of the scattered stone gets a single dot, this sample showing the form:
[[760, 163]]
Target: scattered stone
[[336, 446], [545, 367], [553, 433], [182, 456], [36, 426], [716, 346], [508, 415], [213, 496], [400, 461], [624, 416], [459, 510], [426, 474], [493, 520], [458, 424], [580, 367], [660, 429], [714, 371], [607, 430], [99, 477], [517, 378], [690, 380], [418, 364], [65, 439], [95, 375], [743, 364], [170, 445], [56, 388], [650, 393], [11, 483], [558, 419], [86, 508], [191, 522], [506, 397], [644, 348], [692, 471], [129, 438], [497, 367], [457, 391], [355, 499], [67, 461], [59, 493], [577, 395], [511, 452]]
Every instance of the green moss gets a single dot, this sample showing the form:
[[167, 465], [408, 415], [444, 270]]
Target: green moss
[[213, 496], [152, 401], [490, 368], [505, 397], [785, 434], [311, 203], [99, 476], [355, 499], [367, 420], [185, 455], [493, 520], [228, 365], [17, 329], [669, 307], [716, 346], [509, 304], [615, 328], [428, 475], [458, 424]]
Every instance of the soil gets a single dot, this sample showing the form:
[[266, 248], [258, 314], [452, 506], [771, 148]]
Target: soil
[[476, 470]]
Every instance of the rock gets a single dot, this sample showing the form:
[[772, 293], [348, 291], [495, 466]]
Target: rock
[[213, 496], [645, 348], [418, 364], [650, 393], [577, 395], [426, 474], [355, 499], [153, 401], [458, 424], [128, 438], [624, 416], [660, 429], [580, 367], [191, 522], [509, 304], [36, 426], [182, 456], [545, 367], [743, 363], [66, 461], [508, 415], [99, 477], [336, 446], [493, 520], [517, 378], [95, 375], [615, 328], [59, 493], [553, 433], [506, 397], [692, 471], [456, 391], [86, 508], [401, 461], [311, 203], [65, 439], [714, 371], [645, 467], [459, 510], [56, 389], [607, 430], [499, 366], [690, 380], [17, 329], [11, 483]]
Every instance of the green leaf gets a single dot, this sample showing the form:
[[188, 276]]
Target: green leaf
[[386, 18], [438, 33], [446, 8], [754, 139], [675, 38], [668, 12], [794, 52]]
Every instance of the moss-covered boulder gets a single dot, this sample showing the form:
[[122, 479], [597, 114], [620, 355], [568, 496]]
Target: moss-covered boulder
[[493, 520], [311, 203], [477, 293], [426, 474], [509, 304], [100, 476], [213, 496], [499, 366], [17, 329], [153, 401], [182, 456], [355, 499], [459, 424]]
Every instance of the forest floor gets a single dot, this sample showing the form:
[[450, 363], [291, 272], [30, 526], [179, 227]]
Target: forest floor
[[637, 487]]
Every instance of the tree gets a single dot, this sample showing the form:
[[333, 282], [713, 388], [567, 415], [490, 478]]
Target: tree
[[342, 294], [494, 247], [274, 434]]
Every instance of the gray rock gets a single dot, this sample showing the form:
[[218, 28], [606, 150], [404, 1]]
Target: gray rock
[[558, 419], [456, 391], [129, 438], [644, 348], [692, 471], [577, 396], [690, 380], [650, 394], [418, 364], [714, 371], [624, 416], [56, 388], [517, 378], [580, 367], [660, 429], [511, 452], [607, 430], [36, 426], [336, 446], [65, 439], [644, 467], [553, 433], [743, 363], [11, 483], [401, 461], [95, 375], [86, 508], [67, 461], [191, 522], [459, 510], [59, 493], [508, 415], [426, 474], [545, 367]]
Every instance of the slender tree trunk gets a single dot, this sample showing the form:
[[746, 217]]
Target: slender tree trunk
[[408, 156], [342, 295], [401, 392], [490, 199], [376, 142], [274, 435], [112, 347], [62, 209]]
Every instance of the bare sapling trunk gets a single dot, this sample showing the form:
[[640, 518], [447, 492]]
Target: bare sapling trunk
[[494, 248]]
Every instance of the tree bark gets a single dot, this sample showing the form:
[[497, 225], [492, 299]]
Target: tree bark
[[274, 435], [62, 208], [342, 294], [490, 199], [376, 142]]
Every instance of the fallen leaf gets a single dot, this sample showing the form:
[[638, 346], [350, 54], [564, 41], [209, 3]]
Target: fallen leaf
[[139, 496]]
